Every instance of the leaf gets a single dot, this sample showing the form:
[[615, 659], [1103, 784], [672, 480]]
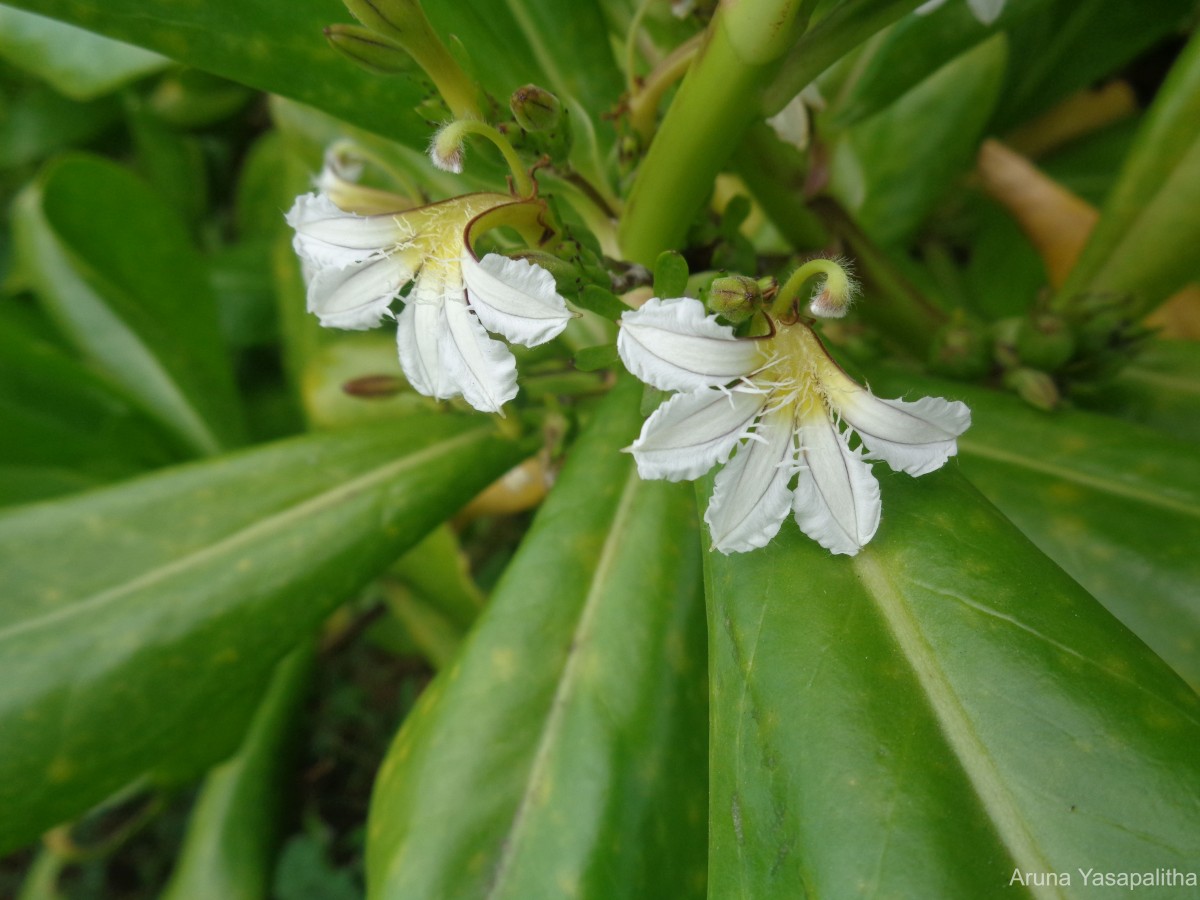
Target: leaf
[[602, 302], [1142, 243], [271, 47], [229, 848], [1159, 389], [38, 122], [57, 415], [75, 62], [116, 267], [588, 659], [591, 359], [930, 716], [147, 652], [1116, 505], [670, 274], [911, 152]]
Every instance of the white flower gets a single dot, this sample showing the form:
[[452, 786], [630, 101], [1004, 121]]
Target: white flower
[[771, 410], [356, 266], [986, 11]]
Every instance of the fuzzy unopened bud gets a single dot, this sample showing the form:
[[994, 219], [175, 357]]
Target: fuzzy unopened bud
[[735, 297], [535, 108], [448, 150], [834, 294]]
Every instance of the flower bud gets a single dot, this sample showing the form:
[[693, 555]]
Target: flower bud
[[447, 149], [734, 297], [833, 295], [535, 108], [1035, 388], [368, 49], [1044, 342], [961, 349]]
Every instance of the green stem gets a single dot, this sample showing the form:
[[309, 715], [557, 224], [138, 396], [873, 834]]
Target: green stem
[[828, 41], [450, 139], [644, 100], [827, 269], [706, 121]]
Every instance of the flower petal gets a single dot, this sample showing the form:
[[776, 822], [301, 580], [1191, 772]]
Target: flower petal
[[690, 433], [515, 298], [357, 296], [837, 498], [419, 327], [750, 496], [675, 346], [481, 369], [914, 437], [329, 236]]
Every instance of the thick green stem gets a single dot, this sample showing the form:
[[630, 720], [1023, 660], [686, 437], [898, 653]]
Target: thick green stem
[[712, 110]]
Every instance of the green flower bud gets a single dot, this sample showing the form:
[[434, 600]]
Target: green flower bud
[[735, 297], [1035, 388], [1045, 342], [961, 349], [368, 49], [535, 108]]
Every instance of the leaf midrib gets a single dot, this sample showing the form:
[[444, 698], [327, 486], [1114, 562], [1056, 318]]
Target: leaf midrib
[[973, 755], [271, 524], [552, 726]]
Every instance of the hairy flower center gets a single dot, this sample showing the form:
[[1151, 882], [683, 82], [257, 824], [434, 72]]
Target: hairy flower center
[[795, 364]]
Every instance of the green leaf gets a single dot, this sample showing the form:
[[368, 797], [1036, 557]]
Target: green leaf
[[602, 302], [895, 166], [116, 267], [37, 122], [75, 62], [1142, 243], [928, 717], [588, 659], [591, 359], [56, 414], [272, 47], [670, 274], [229, 848], [1159, 389], [147, 653]]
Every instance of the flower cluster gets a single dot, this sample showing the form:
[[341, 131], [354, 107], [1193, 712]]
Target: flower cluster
[[357, 265], [772, 410]]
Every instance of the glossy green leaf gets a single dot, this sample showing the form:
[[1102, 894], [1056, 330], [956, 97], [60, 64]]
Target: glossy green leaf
[[1142, 244], [1114, 504], [78, 63], [116, 267], [928, 717], [563, 751], [147, 652], [229, 848], [273, 47], [1159, 389], [895, 166]]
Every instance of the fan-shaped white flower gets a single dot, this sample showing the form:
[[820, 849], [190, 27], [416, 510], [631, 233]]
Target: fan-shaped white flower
[[771, 410], [356, 266]]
